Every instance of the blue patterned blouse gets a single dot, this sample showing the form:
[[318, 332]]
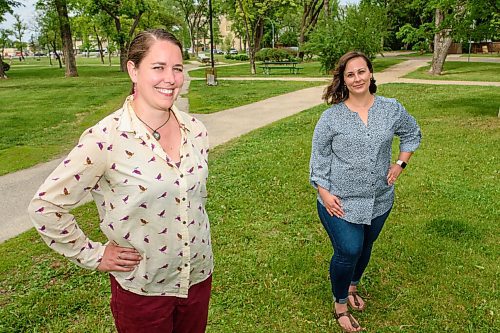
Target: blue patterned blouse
[[351, 160]]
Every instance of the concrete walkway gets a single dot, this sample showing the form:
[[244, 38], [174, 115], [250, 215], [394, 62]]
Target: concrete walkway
[[17, 189]]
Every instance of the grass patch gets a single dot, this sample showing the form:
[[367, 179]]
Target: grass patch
[[481, 55], [434, 267], [311, 69], [461, 71], [43, 113], [229, 94]]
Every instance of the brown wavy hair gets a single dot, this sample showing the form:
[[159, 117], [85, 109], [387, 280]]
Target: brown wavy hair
[[337, 91], [140, 45]]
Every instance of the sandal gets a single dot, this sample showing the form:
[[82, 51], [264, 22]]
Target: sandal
[[351, 319], [356, 306]]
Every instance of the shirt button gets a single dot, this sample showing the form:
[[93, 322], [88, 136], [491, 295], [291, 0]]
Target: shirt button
[[185, 244], [182, 175], [183, 199], [185, 265], [184, 222]]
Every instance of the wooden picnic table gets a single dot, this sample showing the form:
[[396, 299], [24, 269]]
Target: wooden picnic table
[[267, 66]]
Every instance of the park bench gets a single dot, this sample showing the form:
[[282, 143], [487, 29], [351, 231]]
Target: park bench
[[291, 66], [203, 58]]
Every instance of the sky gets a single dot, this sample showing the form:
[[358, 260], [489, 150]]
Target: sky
[[27, 13]]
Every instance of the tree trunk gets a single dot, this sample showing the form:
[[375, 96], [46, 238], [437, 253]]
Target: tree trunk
[[99, 45], [442, 42], [2, 73], [327, 8], [67, 41], [54, 47], [121, 45], [309, 19]]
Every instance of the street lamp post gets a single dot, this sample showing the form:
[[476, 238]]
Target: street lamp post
[[210, 75], [470, 39], [272, 29]]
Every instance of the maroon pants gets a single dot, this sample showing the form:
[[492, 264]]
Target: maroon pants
[[165, 314]]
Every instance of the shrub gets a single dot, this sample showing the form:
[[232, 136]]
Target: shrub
[[275, 55], [333, 38], [241, 57]]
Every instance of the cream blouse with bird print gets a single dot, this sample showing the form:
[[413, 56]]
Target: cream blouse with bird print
[[145, 201]]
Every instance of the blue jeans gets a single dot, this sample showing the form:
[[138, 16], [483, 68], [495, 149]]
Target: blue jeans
[[352, 248]]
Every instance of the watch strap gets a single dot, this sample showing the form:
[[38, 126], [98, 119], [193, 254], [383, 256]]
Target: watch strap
[[402, 164]]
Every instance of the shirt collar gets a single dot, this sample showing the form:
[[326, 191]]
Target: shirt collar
[[129, 122]]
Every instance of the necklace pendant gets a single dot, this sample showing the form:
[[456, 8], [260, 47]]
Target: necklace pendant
[[156, 135]]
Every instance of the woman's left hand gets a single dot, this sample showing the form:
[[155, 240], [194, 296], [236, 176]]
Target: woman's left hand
[[393, 174]]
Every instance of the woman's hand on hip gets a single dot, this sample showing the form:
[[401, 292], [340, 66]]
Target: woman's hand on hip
[[118, 258], [393, 174], [332, 203]]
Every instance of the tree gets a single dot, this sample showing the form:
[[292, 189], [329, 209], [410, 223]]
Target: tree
[[420, 38], [195, 16], [401, 13], [65, 29], [311, 10], [253, 15], [4, 41], [19, 30], [125, 14], [445, 21], [354, 27], [49, 34], [6, 6]]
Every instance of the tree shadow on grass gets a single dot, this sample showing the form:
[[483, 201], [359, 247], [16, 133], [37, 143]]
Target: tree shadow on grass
[[454, 229]]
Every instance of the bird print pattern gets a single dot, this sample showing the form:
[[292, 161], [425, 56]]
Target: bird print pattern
[[144, 200]]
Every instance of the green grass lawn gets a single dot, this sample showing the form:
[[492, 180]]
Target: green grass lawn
[[461, 71], [481, 55], [42, 113], [310, 69], [434, 267], [229, 94]]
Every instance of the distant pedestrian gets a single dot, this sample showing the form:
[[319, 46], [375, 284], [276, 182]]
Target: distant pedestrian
[[146, 166], [351, 169]]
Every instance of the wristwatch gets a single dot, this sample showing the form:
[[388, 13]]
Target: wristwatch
[[402, 164]]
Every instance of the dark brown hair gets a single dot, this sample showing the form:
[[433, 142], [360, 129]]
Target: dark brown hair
[[336, 91], [140, 45]]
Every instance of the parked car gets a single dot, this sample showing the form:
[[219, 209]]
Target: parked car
[[218, 51], [39, 54], [232, 51]]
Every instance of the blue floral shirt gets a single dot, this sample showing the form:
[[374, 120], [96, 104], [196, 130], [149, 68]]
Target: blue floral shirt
[[351, 160]]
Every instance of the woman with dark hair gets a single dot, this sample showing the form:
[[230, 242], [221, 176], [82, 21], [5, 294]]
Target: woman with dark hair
[[146, 168], [352, 171]]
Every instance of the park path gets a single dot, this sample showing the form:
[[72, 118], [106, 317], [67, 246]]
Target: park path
[[17, 189]]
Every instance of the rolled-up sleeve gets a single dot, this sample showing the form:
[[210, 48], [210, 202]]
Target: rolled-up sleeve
[[321, 153], [62, 191], [407, 130]]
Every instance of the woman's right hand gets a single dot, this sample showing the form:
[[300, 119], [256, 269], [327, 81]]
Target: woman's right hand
[[332, 203], [118, 258]]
